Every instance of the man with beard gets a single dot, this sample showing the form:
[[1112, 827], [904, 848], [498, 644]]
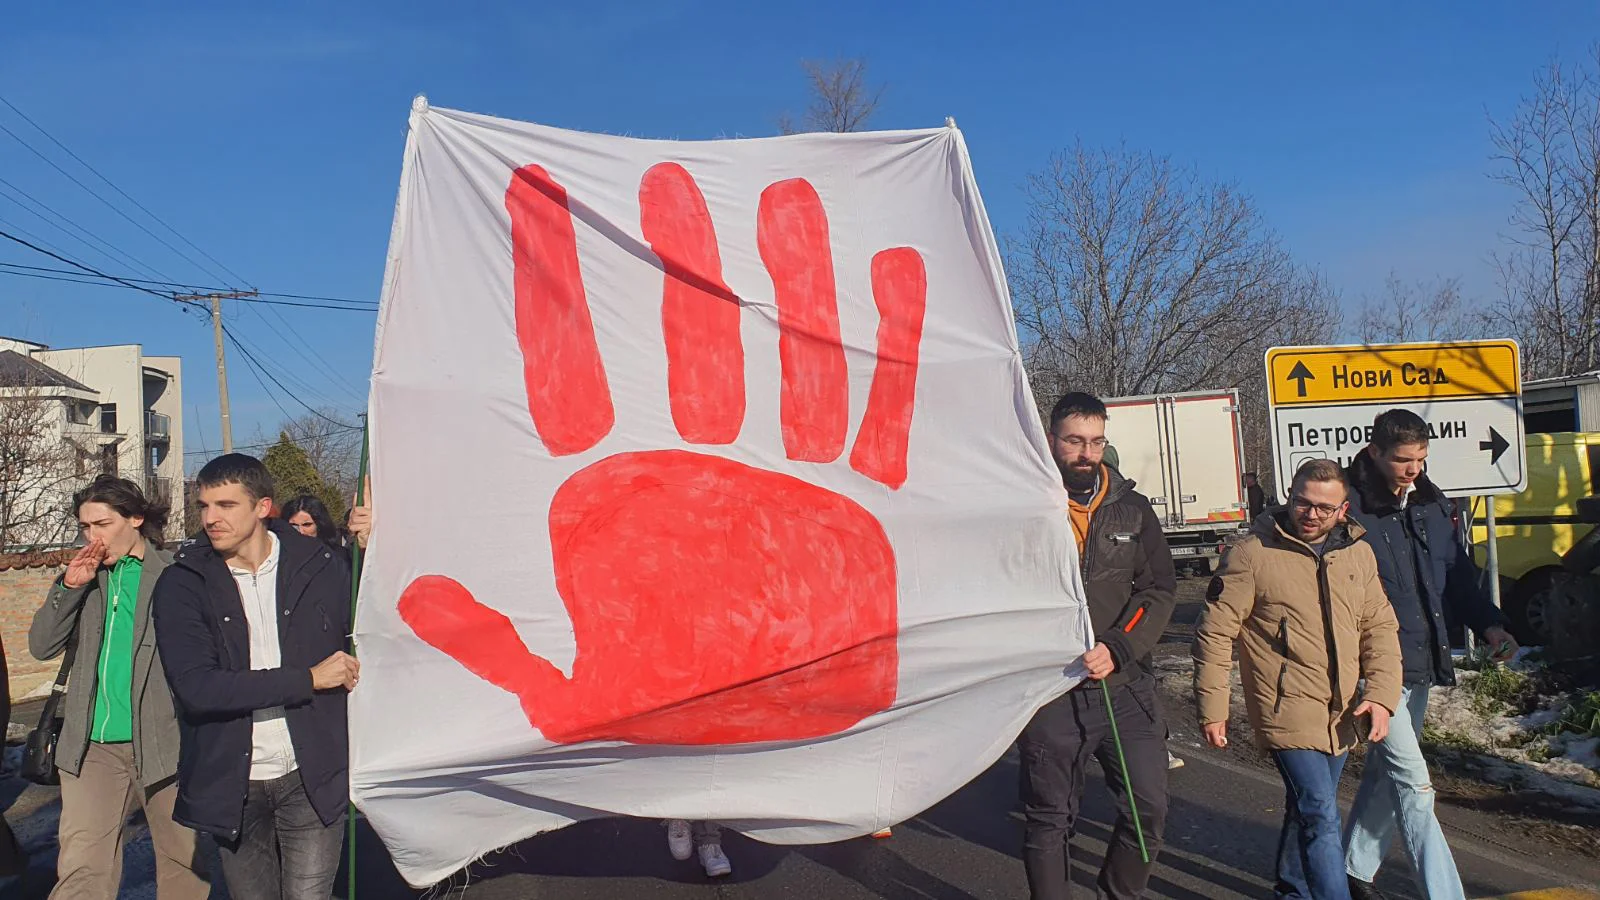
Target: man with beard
[[1318, 657], [1129, 585]]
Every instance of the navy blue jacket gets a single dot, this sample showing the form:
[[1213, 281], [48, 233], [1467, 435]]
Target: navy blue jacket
[[1425, 568], [204, 640]]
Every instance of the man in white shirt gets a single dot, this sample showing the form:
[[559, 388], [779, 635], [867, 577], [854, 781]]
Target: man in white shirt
[[251, 621]]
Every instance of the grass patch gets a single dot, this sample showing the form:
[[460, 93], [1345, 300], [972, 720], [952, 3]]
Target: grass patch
[[1581, 716], [1437, 738], [1496, 689]]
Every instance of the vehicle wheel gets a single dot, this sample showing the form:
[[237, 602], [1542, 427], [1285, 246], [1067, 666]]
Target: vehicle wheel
[[1526, 607]]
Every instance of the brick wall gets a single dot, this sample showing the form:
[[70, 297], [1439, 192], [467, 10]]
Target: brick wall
[[24, 580]]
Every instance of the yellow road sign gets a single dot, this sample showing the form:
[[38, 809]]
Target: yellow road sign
[[1329, 376]]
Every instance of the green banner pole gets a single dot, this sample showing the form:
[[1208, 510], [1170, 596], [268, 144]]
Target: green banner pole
[[355, 589]]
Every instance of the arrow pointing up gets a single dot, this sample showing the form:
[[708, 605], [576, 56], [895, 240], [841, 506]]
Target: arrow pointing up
[[1301, 374], [1496, 445]]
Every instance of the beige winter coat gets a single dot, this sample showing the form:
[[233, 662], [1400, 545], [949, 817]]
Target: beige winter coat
[[1279, 600]]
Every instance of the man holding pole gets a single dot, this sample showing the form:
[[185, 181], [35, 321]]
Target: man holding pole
[[1429, 577], [251, 623], [1114, 715]]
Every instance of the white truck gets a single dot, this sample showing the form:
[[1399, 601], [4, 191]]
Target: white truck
[[1184, 451]]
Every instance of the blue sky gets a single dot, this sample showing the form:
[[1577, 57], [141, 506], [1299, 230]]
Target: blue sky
[[270, 134]]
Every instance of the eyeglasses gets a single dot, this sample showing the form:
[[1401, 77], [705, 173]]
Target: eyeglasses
[[1303, 506], [1078, 443]]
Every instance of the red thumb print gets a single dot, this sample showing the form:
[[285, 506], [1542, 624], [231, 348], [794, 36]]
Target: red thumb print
[[711, 602]]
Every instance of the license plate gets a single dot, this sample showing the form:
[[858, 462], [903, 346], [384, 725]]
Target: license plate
[[1185, 551]]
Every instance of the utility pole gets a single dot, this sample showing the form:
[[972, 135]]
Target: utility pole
[[222, 360]]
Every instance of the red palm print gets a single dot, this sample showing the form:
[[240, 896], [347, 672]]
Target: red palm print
[[712, 602]]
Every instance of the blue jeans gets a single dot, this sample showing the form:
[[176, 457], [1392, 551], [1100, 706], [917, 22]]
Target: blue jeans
[[1310, 856], [1396, 795]]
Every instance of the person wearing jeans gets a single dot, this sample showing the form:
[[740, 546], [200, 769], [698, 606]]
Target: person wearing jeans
[[1401, 802], [252, 622], [1429, 578], [1318, 651]]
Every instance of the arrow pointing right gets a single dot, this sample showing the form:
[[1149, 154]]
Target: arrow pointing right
[[1496, 445], [1301, 374]]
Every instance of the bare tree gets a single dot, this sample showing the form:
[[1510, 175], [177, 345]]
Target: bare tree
[[841, 97], [1133, 276], [1423, 311], [39, 469], [334, 451], [1549, 153]]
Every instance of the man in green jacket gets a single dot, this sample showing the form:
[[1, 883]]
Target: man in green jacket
[[119, 732]]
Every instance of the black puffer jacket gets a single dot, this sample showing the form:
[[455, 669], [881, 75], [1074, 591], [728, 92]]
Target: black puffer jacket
[[1127, 577], [1425, 568], [205, 642]]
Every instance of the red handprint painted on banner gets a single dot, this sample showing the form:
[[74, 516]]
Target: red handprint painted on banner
[[711, 602]]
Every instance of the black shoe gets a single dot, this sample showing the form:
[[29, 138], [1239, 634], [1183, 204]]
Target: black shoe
[[1363, 890]]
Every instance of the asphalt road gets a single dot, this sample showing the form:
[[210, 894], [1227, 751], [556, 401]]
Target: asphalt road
[[1222, 833]]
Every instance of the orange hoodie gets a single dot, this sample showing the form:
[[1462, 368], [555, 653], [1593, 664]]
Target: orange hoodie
[[1081, 514]]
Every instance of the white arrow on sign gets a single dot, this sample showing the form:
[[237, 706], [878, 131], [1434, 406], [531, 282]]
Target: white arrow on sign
[[1477, 446]]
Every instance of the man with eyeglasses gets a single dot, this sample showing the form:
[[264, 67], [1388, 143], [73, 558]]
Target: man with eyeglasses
[[1317, 653], [1430, 579], [1129, 585]]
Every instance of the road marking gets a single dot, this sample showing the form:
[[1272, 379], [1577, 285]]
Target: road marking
[[1549, 894]]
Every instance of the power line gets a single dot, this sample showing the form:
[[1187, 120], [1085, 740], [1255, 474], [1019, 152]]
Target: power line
[[142, 208], [367, 305], [99, 245], [298, 346], [112, 206], [288, 373], [310, 437], [9, 269], [90, 269], [250, 357]]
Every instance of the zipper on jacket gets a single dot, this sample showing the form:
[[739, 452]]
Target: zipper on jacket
[[1283, 669], [1327, 625]]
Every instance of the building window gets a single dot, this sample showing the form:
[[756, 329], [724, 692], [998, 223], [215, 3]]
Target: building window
[[108, 459], [108, 418], [80, 412]]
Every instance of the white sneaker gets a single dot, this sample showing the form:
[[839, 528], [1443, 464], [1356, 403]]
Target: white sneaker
[[678, 839], [714, 861]]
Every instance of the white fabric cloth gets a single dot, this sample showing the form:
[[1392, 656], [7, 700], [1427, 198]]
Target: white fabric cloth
[[272, 750], [659, 534]]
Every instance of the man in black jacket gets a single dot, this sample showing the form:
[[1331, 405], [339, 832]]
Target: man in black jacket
[[1129, 584], [251, 623], [1430, 578]]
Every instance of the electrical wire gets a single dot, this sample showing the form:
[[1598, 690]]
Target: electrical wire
[[112, 206], [369, 305], [89, 239], [249, 357], [142, 208]]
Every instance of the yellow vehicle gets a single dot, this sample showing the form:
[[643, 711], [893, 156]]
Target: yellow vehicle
[[1534, 528]]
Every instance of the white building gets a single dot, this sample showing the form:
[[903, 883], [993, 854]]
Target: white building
[[117, 411]]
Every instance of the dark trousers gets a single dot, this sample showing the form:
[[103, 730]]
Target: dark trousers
[[284, 852], [1055, 748], [1310, 852]]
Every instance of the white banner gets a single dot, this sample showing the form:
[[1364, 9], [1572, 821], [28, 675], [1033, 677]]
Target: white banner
[[708, 485]]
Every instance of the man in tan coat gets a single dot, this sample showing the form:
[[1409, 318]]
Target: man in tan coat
[[1318, 651]]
